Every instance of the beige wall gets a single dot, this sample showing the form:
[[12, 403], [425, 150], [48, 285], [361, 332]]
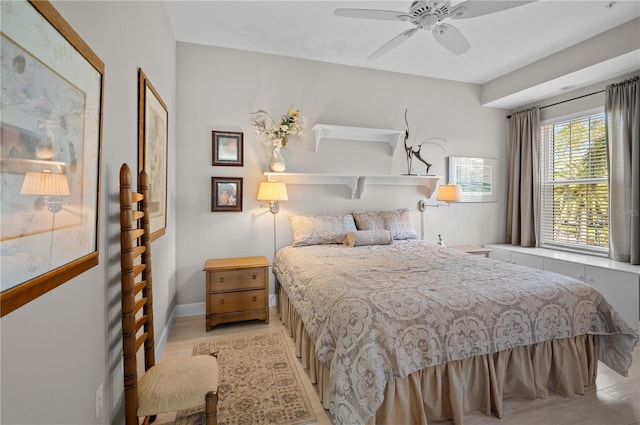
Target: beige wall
[[217, 88]]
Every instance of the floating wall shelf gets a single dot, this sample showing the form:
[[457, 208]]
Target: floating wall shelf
[[341, 132], [355, 182]]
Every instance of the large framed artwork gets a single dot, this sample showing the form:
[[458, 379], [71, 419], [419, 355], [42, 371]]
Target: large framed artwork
[[153, 134], [476, 176], [50, 152]]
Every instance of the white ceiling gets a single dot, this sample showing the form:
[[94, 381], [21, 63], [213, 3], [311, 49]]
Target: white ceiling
[[500, 43]]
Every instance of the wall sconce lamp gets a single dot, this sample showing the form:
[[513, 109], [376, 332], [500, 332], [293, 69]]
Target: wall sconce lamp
[[447, 193], [274, 192], [50, 185]]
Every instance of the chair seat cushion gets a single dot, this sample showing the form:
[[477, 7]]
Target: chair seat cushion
[[177, 384]]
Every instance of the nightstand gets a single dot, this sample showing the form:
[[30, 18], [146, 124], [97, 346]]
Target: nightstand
[[237, 290], [472, 249]]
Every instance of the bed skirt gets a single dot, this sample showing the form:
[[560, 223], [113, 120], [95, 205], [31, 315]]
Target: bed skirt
[[448, 391]]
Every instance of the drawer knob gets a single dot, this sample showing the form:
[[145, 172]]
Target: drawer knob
[[221, 279], [254, 299], [221, 301], [254, 277]]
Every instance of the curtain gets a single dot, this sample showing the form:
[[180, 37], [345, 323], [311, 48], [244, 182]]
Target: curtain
[[622, 113], [522, 201]]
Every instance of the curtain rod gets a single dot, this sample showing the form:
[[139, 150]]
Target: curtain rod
[[568, 100]]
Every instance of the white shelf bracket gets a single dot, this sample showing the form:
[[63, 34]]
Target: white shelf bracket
[[362, 182]]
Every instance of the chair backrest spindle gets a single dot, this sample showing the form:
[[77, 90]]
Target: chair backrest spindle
[[136, 280], [147, 293]]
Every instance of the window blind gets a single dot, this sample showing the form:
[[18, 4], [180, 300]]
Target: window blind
[[574, 185]]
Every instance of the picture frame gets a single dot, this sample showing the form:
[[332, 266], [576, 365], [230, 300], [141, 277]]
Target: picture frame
[[50, 153], [153, 135], [227, 148], [226, 194], [476, 176]]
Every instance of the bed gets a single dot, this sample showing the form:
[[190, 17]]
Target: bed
[[397, 330]]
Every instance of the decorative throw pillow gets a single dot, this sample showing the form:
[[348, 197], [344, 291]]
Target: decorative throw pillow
[[368, 237], [308, 229], [399, 222]]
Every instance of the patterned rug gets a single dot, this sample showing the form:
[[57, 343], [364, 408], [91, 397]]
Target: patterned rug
[[259, 383]]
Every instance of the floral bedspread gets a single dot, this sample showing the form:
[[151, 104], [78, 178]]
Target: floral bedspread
[[384, 311]]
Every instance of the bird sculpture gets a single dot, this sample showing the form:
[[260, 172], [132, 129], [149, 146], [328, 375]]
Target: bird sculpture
[[414, 151]]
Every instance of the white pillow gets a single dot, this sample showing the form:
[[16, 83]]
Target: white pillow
[[308, 229], [399, 222]]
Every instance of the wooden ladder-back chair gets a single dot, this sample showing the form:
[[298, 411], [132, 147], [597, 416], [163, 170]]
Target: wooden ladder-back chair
[[168, 386]]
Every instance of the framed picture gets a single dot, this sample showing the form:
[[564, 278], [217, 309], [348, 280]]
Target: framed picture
[[226, 194], [227, 148], [153, 134], [476, 176], [50, 152]]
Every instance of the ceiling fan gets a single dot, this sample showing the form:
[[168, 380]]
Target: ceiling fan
[[429, 15]]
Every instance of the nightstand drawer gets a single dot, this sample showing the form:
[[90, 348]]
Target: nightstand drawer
[[229, 302], [233, 280]]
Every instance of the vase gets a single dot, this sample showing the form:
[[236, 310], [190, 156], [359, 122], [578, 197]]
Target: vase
[[277, 164]]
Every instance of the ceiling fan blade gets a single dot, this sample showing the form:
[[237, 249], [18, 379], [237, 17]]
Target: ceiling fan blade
[[394, 42], [471, 9], [383, 15], [451, 39]]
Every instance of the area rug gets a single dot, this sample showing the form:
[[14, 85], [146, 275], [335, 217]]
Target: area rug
[[259, 383]]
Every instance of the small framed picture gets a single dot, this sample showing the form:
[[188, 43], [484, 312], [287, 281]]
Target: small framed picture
[[226, 193], [227, 148]]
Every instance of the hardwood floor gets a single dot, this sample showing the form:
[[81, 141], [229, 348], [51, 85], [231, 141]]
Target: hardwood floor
[[613, 400]]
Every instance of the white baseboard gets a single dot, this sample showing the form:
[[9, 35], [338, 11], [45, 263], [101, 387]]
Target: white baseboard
[[192, 309], [162, 341]]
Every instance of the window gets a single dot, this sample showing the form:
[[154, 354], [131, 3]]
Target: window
[[574, 185]]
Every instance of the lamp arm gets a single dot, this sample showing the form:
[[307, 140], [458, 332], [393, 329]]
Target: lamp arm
[[274, 207], [422, 205], [55, 203]]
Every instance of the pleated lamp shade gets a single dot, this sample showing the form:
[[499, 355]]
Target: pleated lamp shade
[[449, 193], [45, 183], [272, 191]]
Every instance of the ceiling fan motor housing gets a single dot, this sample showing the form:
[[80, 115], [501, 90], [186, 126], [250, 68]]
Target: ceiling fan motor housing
[[420, 8]]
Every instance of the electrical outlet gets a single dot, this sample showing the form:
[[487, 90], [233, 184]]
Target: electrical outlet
[[99, 399]]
